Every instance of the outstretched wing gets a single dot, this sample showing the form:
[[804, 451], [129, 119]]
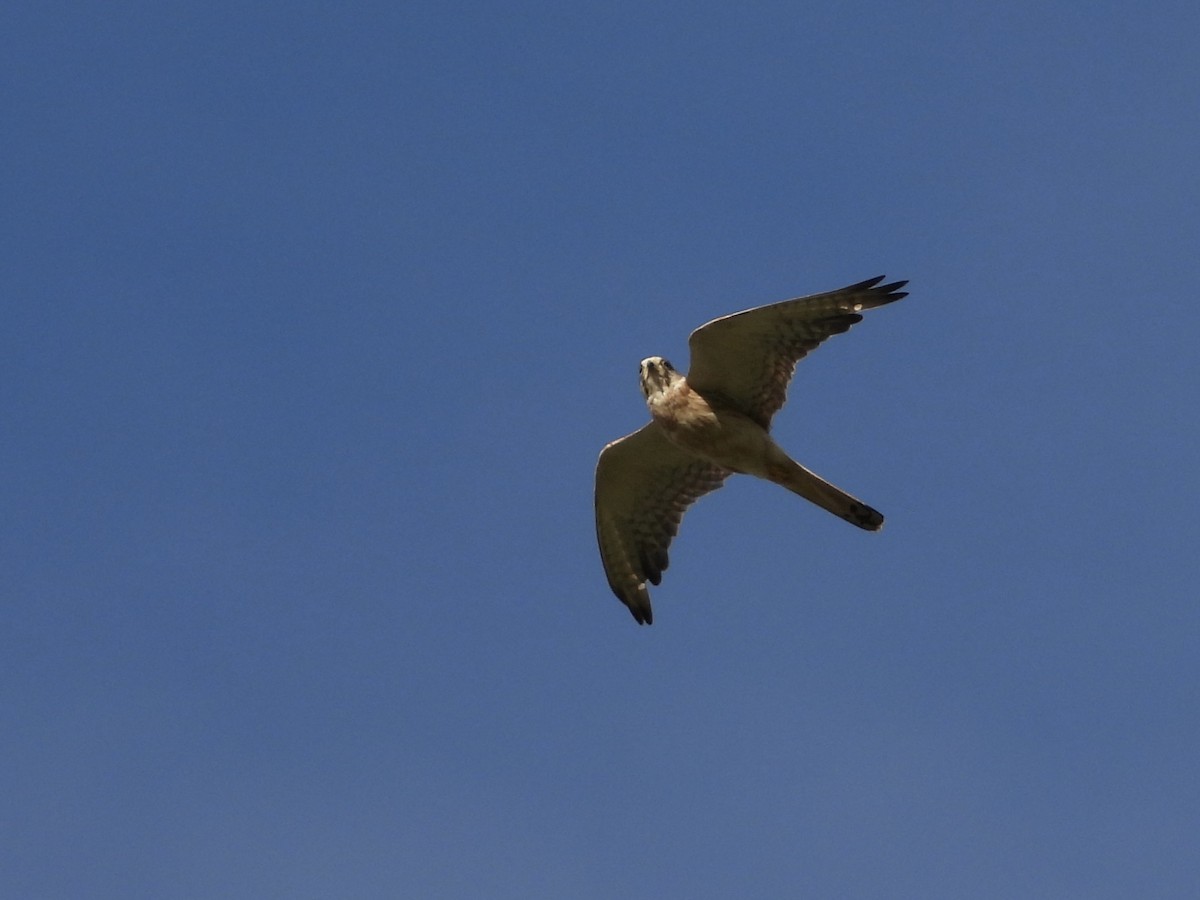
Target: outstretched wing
[[747, 358], [644, 483]]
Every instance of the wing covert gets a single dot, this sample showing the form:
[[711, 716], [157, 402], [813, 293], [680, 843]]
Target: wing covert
[[747, 358], [644, 484]]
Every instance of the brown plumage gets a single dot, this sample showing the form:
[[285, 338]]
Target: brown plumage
[[713, 423]]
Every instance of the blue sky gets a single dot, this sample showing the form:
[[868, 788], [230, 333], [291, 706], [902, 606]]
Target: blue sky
[[318, 316]]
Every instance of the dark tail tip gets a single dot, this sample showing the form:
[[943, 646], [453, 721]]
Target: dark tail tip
[[865, 517]]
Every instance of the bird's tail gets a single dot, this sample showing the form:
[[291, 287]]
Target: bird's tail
[[810, 486]]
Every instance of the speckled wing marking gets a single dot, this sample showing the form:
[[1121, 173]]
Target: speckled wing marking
[[644, 484], [747, 359]]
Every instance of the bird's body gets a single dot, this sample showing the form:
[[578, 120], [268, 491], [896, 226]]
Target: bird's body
[[732, 440], [723, 436], [713, 423]]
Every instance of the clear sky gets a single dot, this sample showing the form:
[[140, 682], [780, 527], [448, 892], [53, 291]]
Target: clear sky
[[317, 316]]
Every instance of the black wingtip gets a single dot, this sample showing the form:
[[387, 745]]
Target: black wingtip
[[892, 291], [880, 293]]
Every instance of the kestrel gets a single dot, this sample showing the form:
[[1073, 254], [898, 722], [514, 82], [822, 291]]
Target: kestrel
[[713, 423]]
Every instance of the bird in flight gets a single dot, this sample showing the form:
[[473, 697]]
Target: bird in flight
[[714, 423]]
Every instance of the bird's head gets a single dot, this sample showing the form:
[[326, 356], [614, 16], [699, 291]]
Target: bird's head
[[656, 375]]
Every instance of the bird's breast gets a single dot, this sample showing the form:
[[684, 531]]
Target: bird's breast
[[679, 408], [724, 437]]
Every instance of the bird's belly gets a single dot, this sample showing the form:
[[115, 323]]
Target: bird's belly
[[727, 439]]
